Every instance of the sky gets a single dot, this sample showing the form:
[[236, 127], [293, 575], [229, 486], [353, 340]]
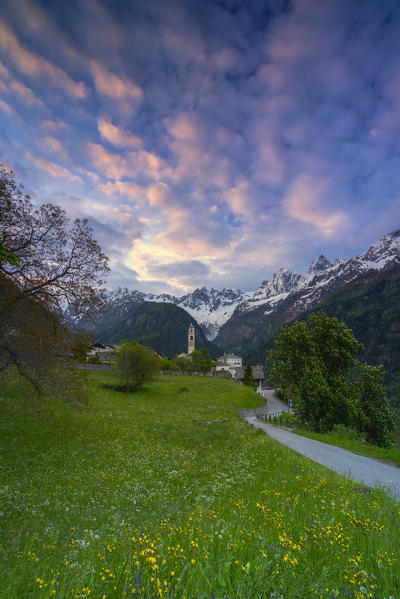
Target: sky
[[208, 142]]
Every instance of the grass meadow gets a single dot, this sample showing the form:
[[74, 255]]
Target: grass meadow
[[130, 497]]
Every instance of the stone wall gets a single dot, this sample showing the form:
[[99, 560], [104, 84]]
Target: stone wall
[[86, 366], [196, 373]]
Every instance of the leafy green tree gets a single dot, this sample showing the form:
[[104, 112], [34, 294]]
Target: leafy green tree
[[248, 378], [182, 363], [45, 265], [374, 416], [50, 260], [201, 360], [6, 256], [137, 364], [311, 362]]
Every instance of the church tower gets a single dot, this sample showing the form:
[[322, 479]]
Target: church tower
[[190, 339]]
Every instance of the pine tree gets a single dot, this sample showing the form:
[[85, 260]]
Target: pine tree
[[248, 378]]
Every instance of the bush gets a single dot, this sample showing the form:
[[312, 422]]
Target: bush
[[136, 364], [94, 359], [347, 432]]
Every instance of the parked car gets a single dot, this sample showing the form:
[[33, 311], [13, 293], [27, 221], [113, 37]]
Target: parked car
[[267, 388]]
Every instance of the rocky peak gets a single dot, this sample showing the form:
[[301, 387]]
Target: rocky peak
[[282, 282], [382, 251], [319, 264]]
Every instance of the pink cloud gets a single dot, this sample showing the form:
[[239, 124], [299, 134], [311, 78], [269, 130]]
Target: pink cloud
[[124, 188], [112, 85], [54, 125], [109, 163], [25, 93], [53, 169], [4, 72], [121, 138], [32, 64], [55, 145], [129, 164], [305, 202], [239, 199], [4, 107], [197, 156]]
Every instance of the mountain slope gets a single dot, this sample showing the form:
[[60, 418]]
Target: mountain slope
[[246, 326], [162, 326], [369, 305]]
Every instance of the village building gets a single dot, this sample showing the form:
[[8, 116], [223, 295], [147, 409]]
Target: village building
[[105, 353], [231, 360], [228, 363], [191, 342], [258, 375]]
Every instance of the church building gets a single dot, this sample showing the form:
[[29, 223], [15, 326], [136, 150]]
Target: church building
[[191, 339], [191, 342]]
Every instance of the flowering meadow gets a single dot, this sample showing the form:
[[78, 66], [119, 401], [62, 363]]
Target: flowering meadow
[[130, 497]]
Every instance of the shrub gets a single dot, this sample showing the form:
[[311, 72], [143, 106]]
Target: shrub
[[137, 364]]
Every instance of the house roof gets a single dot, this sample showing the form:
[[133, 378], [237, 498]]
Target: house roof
[[226, 356], [98, 346], [258, 372]]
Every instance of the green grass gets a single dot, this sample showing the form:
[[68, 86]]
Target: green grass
[[132, 498], [390, 455]]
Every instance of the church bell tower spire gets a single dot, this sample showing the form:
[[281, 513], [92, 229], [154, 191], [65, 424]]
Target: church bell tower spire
[[191, 339]]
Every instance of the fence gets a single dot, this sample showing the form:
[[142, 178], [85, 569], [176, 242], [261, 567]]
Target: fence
[[109, 367], [277, 420], [261, 410]]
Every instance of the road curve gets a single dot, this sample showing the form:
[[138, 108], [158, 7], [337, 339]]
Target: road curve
[[365, 470]]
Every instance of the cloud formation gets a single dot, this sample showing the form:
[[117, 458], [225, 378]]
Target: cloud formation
[[211, 142]]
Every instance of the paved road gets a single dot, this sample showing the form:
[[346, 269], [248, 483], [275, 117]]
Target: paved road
[[360, 468], [275, 405]]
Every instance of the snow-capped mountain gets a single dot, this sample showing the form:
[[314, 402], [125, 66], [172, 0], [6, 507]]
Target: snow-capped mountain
[[272, 293], [232, 314], [209, 307], [212, 308], [251, 321], [318, 264], [320, 282]]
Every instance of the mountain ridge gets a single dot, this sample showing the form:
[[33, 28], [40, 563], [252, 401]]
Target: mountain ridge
[[230, 316], [311, 289], [162, 326]]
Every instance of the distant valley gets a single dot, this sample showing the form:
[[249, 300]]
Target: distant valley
[[244, 322]]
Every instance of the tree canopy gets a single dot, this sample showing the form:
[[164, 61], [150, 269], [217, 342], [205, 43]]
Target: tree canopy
[[313, 363], [248, 378], [58, 263], [201, 360], [45, 265], [136, 364]]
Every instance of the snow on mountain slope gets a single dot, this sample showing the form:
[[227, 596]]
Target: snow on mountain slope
[[213, 308], [251, 321], [318, 283], [272, 293], [210, 308]]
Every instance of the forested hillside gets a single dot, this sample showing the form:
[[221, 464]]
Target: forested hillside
[[370, 307], [159, 325]]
